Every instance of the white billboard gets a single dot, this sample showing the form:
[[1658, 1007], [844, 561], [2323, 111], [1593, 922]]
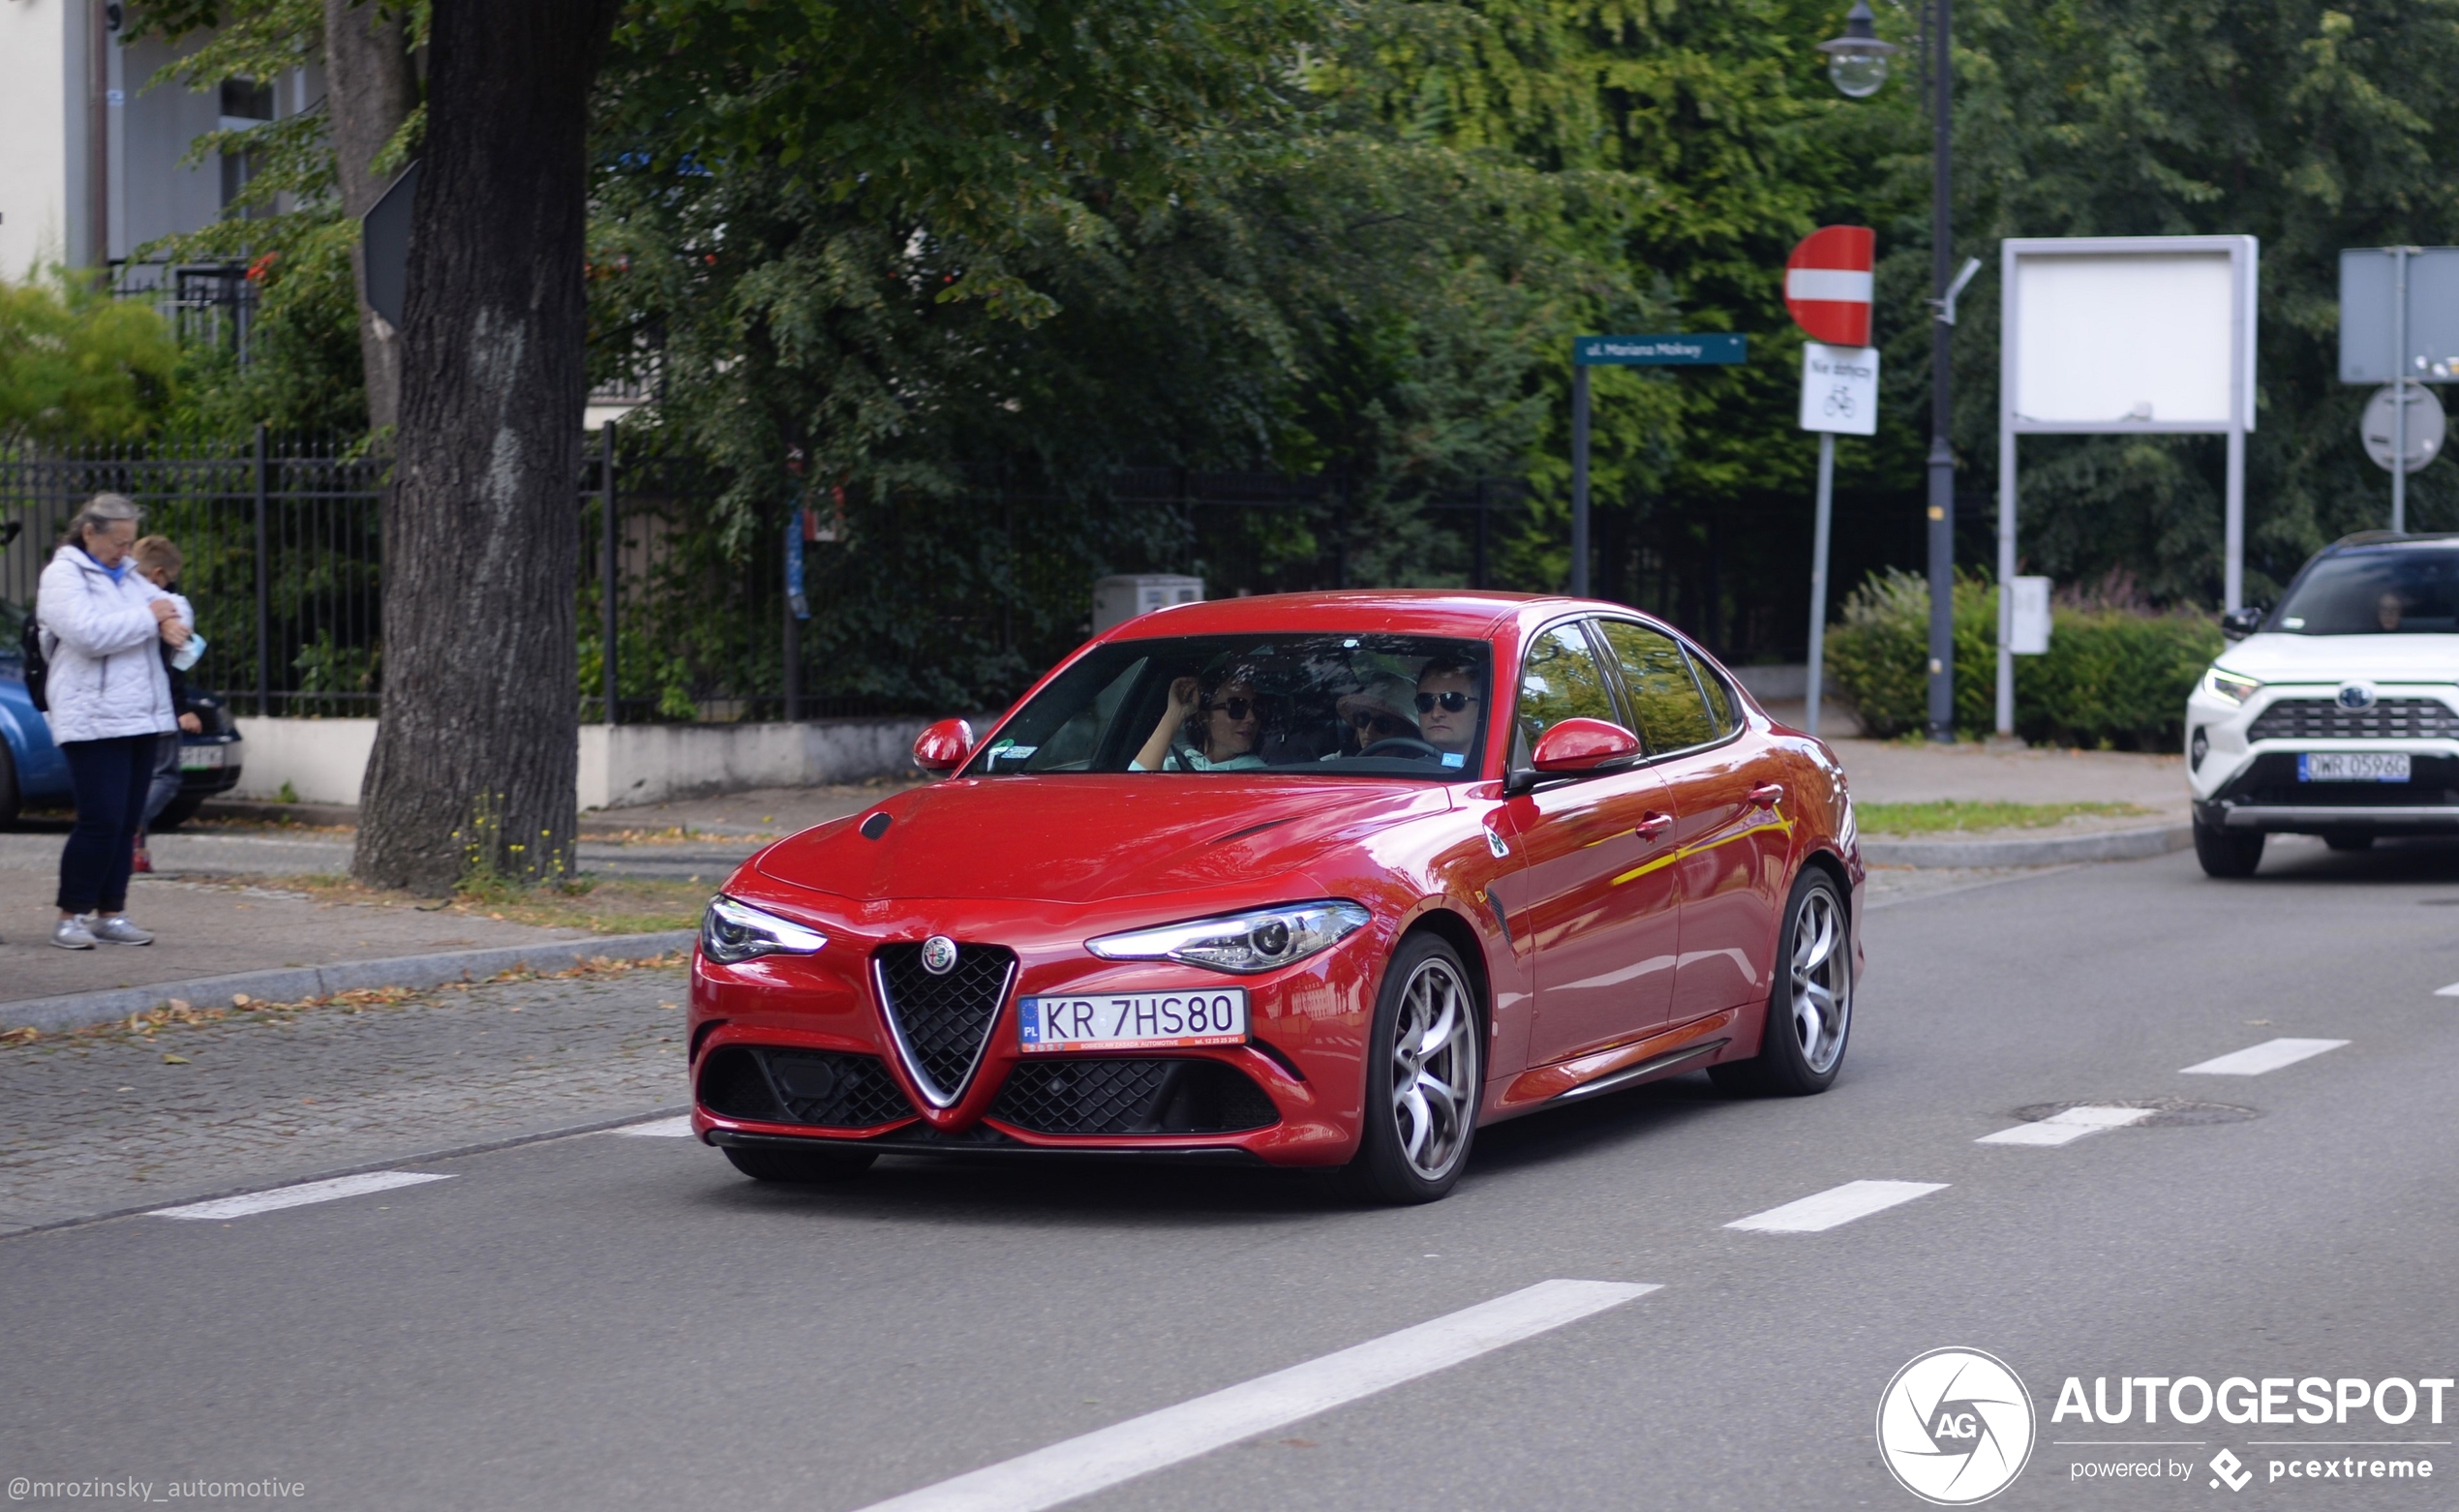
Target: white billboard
[[2141, 333]]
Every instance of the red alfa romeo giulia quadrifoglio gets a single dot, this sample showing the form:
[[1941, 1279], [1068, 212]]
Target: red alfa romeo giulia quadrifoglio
[[1321, 880]]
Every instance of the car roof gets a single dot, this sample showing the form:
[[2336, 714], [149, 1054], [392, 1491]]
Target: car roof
[[1454, 612], [2377, 541]]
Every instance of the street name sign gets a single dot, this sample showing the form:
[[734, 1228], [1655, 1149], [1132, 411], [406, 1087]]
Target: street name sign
[[1827, 284], [1659, 352]]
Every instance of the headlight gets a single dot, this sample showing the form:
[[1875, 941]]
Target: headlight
[[2228, 685], [731, 932], [1265, 940]]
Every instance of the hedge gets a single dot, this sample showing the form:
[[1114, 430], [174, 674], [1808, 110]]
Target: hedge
[[2111, 679]]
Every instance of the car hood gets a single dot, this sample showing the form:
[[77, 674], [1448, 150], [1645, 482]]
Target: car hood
[[2341, 658], [1087, 838]]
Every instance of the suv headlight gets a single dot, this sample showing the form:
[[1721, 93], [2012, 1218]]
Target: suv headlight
[[1263, 939], [731, 932], [2229, 685]]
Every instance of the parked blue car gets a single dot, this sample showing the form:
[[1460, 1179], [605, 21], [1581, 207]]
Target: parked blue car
[[34, 773]]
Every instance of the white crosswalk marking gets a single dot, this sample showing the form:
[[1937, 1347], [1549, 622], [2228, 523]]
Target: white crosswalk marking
[[1835, 1207], [1082, 1466], [2451, 990], [301, 1194], [2069, 1126], [2256, 1059]]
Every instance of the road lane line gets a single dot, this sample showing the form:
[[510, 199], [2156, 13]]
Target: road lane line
[[1106, 1456], [2451, 990], [302, 1195], [1835, 1207], [2067, 1127], [2256, 1059], [660, 1129]]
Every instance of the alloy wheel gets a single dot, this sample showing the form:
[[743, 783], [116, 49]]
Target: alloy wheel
[[1822, 980], [1434, 1054]]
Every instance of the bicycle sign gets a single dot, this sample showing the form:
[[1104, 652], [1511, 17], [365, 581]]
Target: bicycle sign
[[1839, 389]]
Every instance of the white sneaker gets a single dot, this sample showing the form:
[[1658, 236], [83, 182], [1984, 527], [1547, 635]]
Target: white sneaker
[[70, 934], [116, 929]]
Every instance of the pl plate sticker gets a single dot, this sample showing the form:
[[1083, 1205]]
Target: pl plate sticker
[[1955, 1427]]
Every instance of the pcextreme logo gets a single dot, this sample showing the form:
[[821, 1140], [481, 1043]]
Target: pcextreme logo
[[1955, 1427]]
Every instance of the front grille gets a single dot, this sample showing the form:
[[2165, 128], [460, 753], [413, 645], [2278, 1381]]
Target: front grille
[[1139, 1096], [2388, 719], [943, 1021], [820, 1088]]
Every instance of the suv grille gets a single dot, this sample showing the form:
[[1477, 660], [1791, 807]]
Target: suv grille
[[816, 1087], [2389, 719], [942, 1022], [1132, 1096]]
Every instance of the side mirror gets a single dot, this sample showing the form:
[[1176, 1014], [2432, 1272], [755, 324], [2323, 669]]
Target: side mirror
[[944, 746], [1583, 745], [2239, 623]]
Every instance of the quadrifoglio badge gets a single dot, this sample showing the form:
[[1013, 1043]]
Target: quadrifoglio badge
[[1956, 1425]]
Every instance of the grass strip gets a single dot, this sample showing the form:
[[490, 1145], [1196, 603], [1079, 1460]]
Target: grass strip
[[1956, 815]]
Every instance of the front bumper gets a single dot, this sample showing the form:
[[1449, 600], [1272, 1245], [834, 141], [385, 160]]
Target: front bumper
[[1291, 1096], [2263, 795]]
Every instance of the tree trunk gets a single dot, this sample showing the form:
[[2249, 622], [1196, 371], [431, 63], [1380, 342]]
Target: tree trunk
[[371, 88], [475, 759]]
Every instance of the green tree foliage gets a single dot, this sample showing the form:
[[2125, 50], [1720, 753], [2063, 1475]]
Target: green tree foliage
[[2312, 126], [78, 367]]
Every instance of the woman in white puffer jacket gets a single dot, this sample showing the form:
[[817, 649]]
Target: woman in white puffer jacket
[[103, 625]]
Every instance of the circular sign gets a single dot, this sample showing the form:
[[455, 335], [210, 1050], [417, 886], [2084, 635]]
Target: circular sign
[[2425, 426], [1955, 1427], [1827, 284]]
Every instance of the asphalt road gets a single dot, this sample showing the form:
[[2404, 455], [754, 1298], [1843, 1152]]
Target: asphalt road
[[607, 1322]]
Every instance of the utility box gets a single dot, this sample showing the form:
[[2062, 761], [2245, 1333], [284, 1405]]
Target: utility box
[[1117, 600], [2028, 617]]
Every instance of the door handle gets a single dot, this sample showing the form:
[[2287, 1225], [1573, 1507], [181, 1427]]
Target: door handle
[[1653, 825], [1767, 795]]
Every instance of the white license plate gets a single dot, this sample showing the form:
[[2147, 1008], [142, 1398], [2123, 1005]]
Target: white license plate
[[200, 758], [1133, 1020], [2353, 766]]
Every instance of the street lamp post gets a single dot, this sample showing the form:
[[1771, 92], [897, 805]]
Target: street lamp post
[[1857, 62]]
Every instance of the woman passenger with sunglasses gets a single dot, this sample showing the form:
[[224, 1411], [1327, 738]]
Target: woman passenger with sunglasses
[[1222, 740]]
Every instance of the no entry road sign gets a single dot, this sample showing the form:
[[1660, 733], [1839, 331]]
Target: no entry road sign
[[1659, 352], [1827, 284]]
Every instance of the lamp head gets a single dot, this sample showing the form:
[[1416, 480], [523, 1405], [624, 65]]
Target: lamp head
[[1857, 61]]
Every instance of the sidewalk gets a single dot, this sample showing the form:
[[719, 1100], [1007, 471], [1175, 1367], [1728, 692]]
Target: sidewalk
[[1897, 771]]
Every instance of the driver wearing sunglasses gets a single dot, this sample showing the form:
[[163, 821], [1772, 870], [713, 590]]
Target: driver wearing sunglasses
[[1450, 702]]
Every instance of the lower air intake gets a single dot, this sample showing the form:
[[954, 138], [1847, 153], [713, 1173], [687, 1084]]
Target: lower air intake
[[1139, 1096], [818, 1088]]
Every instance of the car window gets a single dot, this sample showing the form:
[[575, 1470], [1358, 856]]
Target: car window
[[1721, 701], [1298, 703], [1560, 681], [2388, 590], [1672, 715]]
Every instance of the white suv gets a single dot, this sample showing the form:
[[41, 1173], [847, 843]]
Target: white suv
[[2336, 714]]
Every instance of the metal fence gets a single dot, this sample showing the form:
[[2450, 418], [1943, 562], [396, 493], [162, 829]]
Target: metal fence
[[283, 540]]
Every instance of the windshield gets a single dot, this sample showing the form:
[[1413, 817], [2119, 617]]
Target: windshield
[[2401, 590], [1319, 704]]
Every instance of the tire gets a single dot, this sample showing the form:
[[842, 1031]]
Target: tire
[[1810, 1017], [2225, 855], [802, 1167], [178, 811], [1421, 1104], [2349, 842]]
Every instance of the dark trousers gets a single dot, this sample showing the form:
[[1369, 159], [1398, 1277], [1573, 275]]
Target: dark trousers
[[110, 779], [166, 778]]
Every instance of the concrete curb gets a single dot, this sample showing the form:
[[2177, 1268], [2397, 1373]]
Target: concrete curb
[[2058, 850], [291, 983]]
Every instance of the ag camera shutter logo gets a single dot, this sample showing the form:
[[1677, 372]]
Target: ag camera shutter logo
[[1955, 1427]]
